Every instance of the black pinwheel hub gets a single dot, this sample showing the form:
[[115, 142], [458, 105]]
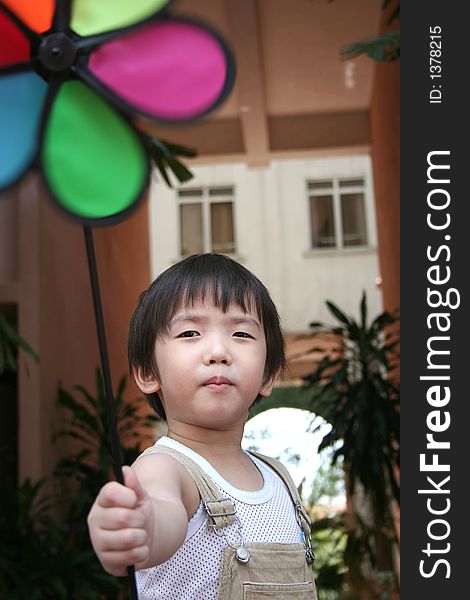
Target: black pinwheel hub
[[57, 52]]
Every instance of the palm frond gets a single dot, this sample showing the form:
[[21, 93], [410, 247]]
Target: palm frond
[[164, 155], [382, 48], [10, 341]]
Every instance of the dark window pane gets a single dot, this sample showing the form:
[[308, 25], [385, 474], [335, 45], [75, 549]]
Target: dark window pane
[[191, 229], [319, 185], [351, 182], [354, 220], [322, 222], [223, 239], [190, 193], [221, 191]]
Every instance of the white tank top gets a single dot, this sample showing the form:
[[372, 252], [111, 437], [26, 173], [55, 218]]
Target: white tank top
[[192, 573]]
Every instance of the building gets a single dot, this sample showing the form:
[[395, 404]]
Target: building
[[306, 227]]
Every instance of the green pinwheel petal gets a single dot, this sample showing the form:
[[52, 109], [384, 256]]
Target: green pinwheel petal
[[93, 160], [90, 17]]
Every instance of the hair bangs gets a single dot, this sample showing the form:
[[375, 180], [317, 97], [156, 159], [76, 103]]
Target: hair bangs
[[221, 290]]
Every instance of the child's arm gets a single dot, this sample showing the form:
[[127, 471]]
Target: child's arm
[[144, 522]]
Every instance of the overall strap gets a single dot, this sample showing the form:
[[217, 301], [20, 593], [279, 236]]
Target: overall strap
[[303, 519], [283, 473], [220, 510]]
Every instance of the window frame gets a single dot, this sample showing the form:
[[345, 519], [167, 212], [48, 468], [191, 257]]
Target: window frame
[[206, 199], [336, 191]]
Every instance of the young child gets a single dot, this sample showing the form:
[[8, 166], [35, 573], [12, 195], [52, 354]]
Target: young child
[[199, 517]]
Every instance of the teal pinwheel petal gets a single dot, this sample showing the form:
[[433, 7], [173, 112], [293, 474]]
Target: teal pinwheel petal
[[94, 163], [22, 97]]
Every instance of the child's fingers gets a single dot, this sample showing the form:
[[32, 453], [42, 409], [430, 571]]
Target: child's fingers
[[115, 518], [116, 562], [124, 540], [115, 494], [132, 482]]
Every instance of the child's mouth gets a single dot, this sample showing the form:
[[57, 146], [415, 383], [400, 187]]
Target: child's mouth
[[218, 384]]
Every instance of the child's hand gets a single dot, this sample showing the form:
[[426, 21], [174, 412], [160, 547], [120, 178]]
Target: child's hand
[[121, 524]]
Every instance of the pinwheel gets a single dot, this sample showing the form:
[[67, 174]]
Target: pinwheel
[[73, 76]]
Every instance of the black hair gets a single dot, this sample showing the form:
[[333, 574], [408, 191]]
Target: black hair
[[199, 277]]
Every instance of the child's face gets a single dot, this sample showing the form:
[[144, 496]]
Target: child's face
[[211, 366]]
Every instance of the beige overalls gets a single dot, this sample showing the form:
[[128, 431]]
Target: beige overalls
[[258, 570]]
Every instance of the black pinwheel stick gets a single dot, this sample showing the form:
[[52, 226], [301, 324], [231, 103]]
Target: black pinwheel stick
[[110, 405]]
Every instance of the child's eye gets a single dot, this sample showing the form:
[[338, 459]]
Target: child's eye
[[243, 334], [188, 334]]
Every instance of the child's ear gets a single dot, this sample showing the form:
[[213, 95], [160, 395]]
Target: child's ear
[[268, 385], [148, 384]]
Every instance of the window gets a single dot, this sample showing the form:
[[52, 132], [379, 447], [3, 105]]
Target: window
[[337, 213], [206, 220]]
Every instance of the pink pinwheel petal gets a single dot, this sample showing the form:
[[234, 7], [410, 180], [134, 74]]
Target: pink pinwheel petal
[[169, 69]]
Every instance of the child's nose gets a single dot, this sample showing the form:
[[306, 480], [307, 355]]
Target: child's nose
[[218, 353]]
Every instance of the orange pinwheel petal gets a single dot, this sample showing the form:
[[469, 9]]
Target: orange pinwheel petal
[[36, 15]]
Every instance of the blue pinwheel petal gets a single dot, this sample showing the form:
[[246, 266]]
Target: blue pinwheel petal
[[22, 97]]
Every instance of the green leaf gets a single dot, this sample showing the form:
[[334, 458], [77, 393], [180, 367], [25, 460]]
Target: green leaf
[[395, 14], [381, 322], [381, 48], [161, 168], [338, 313], [181, 172], [164, 155], [317, 324], [363, 310], [176, 149], [10, 341]]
